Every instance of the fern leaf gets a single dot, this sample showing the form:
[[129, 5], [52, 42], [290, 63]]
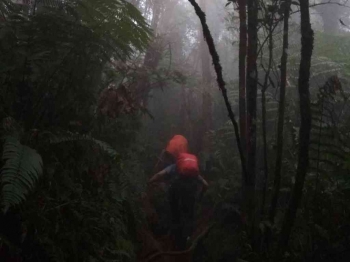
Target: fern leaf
[[326, 148], [23, 166], [70, 137]]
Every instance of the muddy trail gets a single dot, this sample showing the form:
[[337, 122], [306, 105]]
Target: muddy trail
[[160, 247]]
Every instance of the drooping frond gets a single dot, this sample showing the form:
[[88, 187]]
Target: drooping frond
[[327, 149], [71, 137], [114, 26], [6, 7], [22, 168], [117, 21]]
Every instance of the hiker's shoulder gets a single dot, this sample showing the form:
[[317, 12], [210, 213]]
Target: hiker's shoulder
[[171, 169]]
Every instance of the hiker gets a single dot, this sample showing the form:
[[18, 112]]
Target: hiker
[[178, 144], [184, 180]]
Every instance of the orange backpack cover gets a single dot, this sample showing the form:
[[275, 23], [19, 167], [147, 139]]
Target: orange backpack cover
[[178, 144], [187, 165]]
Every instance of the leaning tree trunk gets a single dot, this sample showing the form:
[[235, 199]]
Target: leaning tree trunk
[[307, 41], [242, 71], [220, 79], [281, 107]]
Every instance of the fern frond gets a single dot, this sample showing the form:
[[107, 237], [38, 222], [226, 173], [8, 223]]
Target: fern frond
[[6, 7], [71, 137], [23, 167], [326, 148], [116, 19]]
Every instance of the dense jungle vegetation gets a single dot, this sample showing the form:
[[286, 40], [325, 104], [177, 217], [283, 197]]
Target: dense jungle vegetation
[[91, 91]]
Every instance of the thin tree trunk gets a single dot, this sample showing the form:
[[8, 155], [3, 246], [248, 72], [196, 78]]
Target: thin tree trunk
[[281, 107], [263, 114], [242, 71], [307, 40], [220, 79], [263, 110], [252, 75], [264, 133]]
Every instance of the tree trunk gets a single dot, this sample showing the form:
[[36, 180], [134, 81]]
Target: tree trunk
[[157, 6], [252, 75], [242, 71], [150, 63], [281, 107], [264, 132], [307, 41], [264, 136], [152, 56], [263, 109]]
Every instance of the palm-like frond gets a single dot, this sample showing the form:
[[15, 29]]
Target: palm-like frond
[[22, 168]]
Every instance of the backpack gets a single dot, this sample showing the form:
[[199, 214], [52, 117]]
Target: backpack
[[187, 165], [178, 144]]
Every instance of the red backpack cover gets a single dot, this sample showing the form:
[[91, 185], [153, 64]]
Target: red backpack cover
[[178, 144], [187, 165]]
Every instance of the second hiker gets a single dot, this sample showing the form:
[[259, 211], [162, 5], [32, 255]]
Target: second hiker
[[184, 181]]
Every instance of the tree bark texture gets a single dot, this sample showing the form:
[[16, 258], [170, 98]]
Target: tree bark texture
[[252, 75], [307, 40], [263, 110], [219, 79], [242, 71], [281, 109]]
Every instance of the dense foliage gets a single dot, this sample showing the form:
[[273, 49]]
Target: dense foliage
[[73, 165]]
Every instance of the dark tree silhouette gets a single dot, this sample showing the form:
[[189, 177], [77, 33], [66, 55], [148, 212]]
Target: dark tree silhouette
[[279, 154], [307, 40], [242, 70]]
